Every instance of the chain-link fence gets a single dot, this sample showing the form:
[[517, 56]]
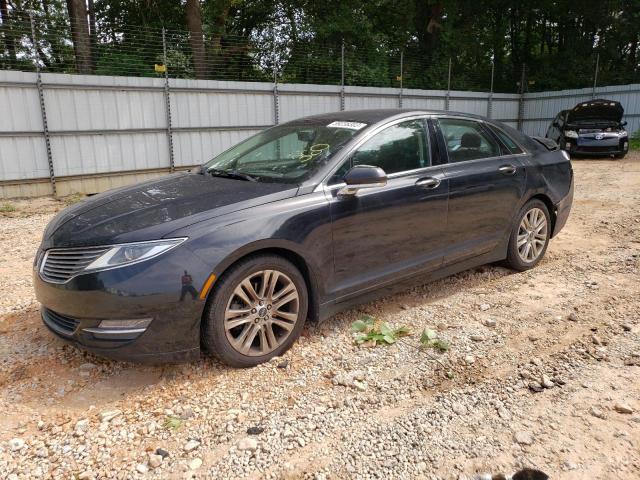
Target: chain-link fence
[[147, 52], [134, 94]]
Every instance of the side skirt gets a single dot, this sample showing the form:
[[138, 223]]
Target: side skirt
[[329, 309]]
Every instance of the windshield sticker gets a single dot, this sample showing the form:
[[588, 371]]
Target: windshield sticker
[[349, 125]]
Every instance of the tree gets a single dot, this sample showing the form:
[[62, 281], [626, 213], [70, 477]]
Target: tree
[[80, 34], [302, 40], [196, 38], [7, 33], [93, 33]]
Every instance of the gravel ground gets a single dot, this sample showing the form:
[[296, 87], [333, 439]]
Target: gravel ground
[[542, 372]]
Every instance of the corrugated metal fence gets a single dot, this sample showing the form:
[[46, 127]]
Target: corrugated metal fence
[[86, 134]]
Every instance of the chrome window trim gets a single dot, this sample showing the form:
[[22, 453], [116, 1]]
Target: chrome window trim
[[525, 152], [108, 247], [323, 187]]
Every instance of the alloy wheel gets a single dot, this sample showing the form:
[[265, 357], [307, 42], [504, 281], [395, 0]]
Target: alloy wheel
[[261, 313], [532, 235]]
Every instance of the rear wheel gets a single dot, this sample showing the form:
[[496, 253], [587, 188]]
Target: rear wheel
[[529, 236], [257, 311]]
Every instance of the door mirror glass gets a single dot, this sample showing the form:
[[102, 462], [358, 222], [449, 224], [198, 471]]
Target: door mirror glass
[[363, 176]]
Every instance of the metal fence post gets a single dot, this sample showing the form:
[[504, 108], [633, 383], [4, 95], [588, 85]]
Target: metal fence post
[[342, 79], [401, 77], [43, 110], [523, 79], [276, 103], [490, 99], [167, 102], [447, 97], [595, 77]]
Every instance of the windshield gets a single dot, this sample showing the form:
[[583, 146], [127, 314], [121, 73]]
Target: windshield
[[287, 153]]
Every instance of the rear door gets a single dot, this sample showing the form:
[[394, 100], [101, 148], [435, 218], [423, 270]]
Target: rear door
[[383, 233], [486, 182]]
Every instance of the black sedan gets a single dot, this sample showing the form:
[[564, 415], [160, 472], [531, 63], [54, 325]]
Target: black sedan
[[297, 222], [593, 128]]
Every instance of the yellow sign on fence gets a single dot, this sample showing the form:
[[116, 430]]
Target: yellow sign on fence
[[160, 68]]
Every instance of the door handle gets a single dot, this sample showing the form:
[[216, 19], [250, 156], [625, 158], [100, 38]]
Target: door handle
[[429, 182], [507, 169]]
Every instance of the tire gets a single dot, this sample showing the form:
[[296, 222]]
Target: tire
[[242, 332], [521, 259], [619, 156]]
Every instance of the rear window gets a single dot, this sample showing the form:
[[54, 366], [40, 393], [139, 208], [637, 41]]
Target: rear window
[[507, 140]]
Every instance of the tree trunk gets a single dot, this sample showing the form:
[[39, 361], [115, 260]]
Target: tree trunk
[[196, 39], [427, 24], [80, 35], [219, 27], [93, 34], [6, 29]]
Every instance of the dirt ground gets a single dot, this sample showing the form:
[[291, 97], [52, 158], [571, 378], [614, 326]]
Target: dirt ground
[[330, 409]]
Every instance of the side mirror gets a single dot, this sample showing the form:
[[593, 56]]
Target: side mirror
[[363, 176], [556, 124], [624, 124]]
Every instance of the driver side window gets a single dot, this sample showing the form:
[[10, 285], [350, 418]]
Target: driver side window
[[398, 148]]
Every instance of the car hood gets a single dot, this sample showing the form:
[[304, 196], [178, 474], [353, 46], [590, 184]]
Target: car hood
[[153, 209], [596, 111]]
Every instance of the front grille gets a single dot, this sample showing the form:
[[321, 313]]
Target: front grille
[[59, 265], [59, 323], [590, 130], [606, 149]]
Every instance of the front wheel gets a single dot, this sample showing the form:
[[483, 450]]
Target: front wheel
[[529, 236], [257, 311]]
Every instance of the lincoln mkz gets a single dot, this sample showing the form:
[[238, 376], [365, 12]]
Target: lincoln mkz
[[297, 222]]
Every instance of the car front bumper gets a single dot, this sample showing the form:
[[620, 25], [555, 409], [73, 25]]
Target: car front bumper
[[161, 322], [593, 147]]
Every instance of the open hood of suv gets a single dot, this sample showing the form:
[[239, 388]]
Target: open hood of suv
[[596, 111]]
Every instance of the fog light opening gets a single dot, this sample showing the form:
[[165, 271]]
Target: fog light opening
[[137, 323]]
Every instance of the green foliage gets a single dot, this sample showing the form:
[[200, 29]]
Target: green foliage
[[634, 141], [7, 208], [173, 423], [430, 339], [369, 330], [73, 198], [557, 40]]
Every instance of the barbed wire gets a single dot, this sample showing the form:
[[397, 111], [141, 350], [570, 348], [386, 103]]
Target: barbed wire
[[130, 50]]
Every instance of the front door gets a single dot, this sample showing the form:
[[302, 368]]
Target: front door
[[382, 233], [486, 183]]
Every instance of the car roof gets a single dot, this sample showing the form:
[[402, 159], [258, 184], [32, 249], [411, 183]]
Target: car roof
[[374, 115]]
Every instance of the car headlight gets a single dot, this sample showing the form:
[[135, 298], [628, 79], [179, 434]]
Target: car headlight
[[570, 134], [622, 133], [128, 253]]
